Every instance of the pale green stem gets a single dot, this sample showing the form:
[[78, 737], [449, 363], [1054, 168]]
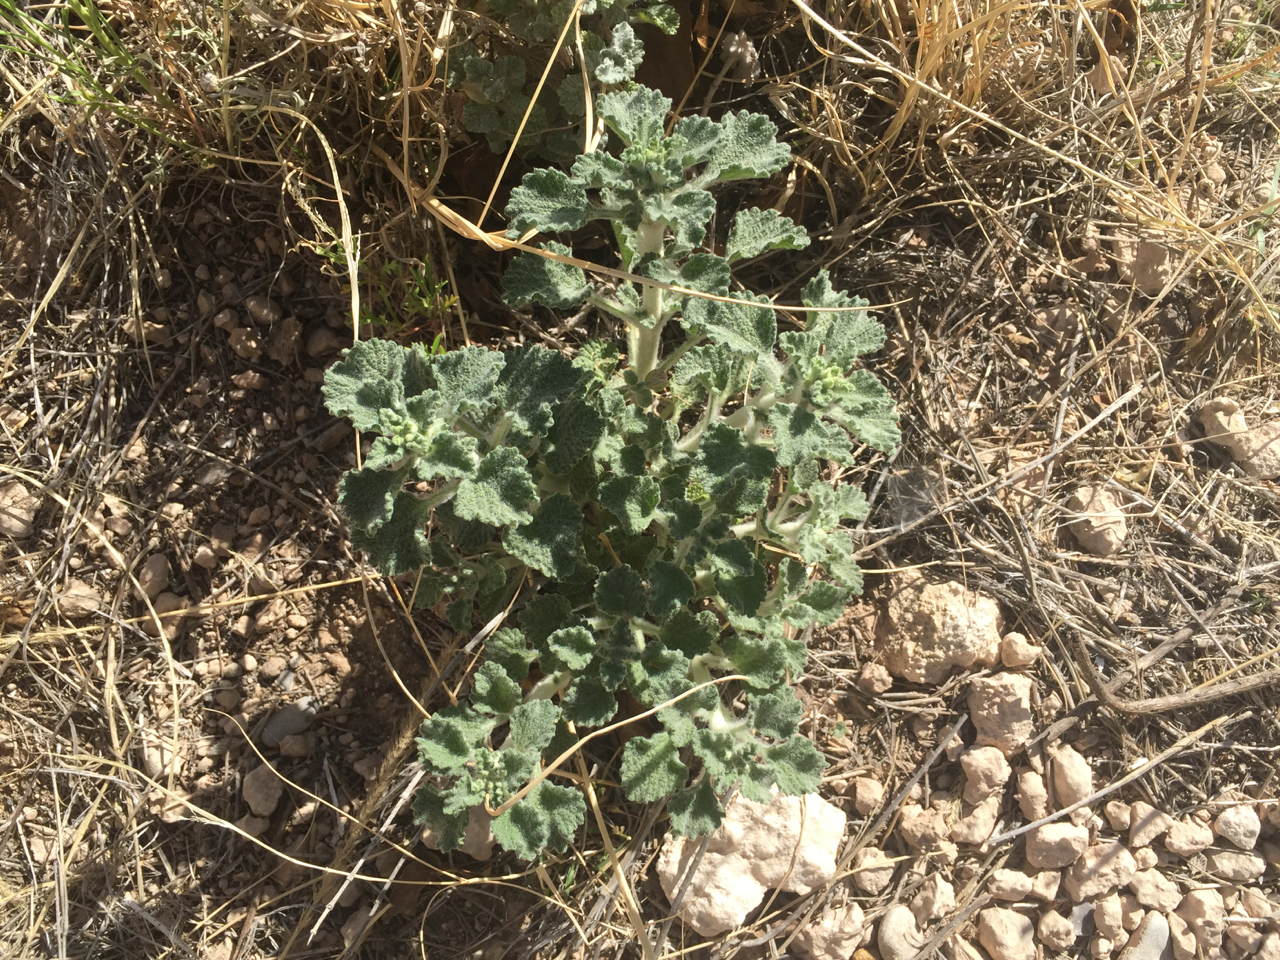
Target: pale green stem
[[645, 342]]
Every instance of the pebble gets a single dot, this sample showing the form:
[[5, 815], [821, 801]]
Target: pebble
[[291, 719], [253, 826], [323, 341], [1235, 865], [935, 899], [1000, 706], [153, 576], [263, 309], [1006, 934], [986, 772], [1033, 796], [249, 663], [872, 870], [262, 790], [1072, 776], [1205, 916], [868, 794], [79, 600], [874, 679], [272, 667], [1187, 838], [17, 510], [1099, 524], [1146, 824], [250, 380], [297, 745], [245, 343], [1119, 815], [1240, 825], [1101, 868], [1044, 885], [1056, 931], [1017, 651], [1005, 884], [1056, 845]]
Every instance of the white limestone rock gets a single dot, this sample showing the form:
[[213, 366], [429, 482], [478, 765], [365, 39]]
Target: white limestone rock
[[872, 870], [1239, 825], [1205, 916], [1102, 868], [1147, 824], [934, 900], [986, 771], [1099, 524], [790, 842], [1055, 931], [1236, 866], [1188, 837], [1006, 884], [868, 794], [1149, 940], [933, 628], [922, 828], [899, 936], [1016, 651], [1006, 934], [1056, 845], [1000, 706], [978, 821], [1153, 889], [1044, 885], [1033, 796], [1072, 776], [262, 790], [833, 937], [1119, 815], [1107, 917]]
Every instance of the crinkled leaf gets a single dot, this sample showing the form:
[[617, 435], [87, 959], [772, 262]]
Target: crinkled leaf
[[636, 115], [797, 765], [450, 830], [748, 149], [692, 634], [755, 230], [741, 579], [510, 649], [365, 382], [588, 704], [464, 379], [846, 335], [545, 819], [618, 61], [569, 648], [651, 768], [501, 493], [633, 500], [748, 329], [798, 435], [713, 370], [616, 655], [533, 383], [661, 15], [762, 661], [776, 715], [576, 431], [400, 545], [459, 612], [725, 456], [823, 603], [549, 542], [449, 740], [450, 456], [695, 811], [494, 691], [868, 412], [669, 588], [620, 593], [533, 724], [368, 496], [549, 201], [685, 518], [535, 279], [660, 675], [544, 615]]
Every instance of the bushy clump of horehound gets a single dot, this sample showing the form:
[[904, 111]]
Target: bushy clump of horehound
[[672, 504]]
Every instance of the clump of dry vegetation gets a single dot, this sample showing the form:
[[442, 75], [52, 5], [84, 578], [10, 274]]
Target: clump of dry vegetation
[[1067, 216]]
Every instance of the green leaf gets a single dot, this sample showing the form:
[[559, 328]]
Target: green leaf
[[464, 379], [798, 436], [619, 60], [797, 765], [400, 545], [725, 456], [620, 593], [502, 491], [535, 279], [494, 691], [651, 768], [368, 496], [549, 201], [776, 715], [533, 383], [637, 115], [533, 724], [695, 811], [588, 704], [633, 500], [450, 829], [847, 335], [510, 650], [746, 329], [547, 818], [867, 411], [741, 579], [762, 661], [449, 455], [669, 589], [459, 612], [663, 16], [748, 149], [755, 230], [550, 541], [660, 675], [692, 634], [823, 603], [570, 648], [575, 432], [365, 382], [451, 738], [544, 615]]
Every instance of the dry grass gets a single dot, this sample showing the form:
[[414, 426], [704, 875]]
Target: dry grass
[[976, 166]]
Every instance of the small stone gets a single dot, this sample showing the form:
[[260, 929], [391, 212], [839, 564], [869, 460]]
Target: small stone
[[226, 320], [1044, 885], [1146, 824], [263, 309], [1224, 425], [874, 679], [158, 759], [1101, 868], [1099, 524], [1033, 796], [1006, 934], [227, 698], [1005, 884], [249, 662], [272, 667], [1242, 933], [1072, 776], [205, 557], [872, 870], [339, 663], [79, 600], [1145, 858], [231, 670], [922, 828], [1056, 845], [323, 341], [253, 826], [297, 745], [979, 822], [153, 576], [250, 380], [1269, 949], [934, 900], [1256, 904], [1240, 825], [1101, 947], [1263, 461], [245, 343], [899, 936], [168, 607], [1188, 837], [1118, 815], [292, 718], [986, 772], [259, 515], [1056, 931], [933, 628], [18, 510], [286, 338], [1000, 706], [1236, 866], [262, 790], [355, 926], [1107, 918], [1181, 938], [834, 936], [1131, 912], [868, 794], [1017, 651], [1205, 916]]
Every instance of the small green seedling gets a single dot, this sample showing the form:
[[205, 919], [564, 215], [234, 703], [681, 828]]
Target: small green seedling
[[670, 511]]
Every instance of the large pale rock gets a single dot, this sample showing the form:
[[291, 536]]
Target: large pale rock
[[1153, 889], [1205, 915], [1256, 450], [978, 822], [18, 510], [1241, 932], [1240, 825], [1033, 796], [1187, 837], [1263, 461], [1072, 776], [868, 794], [922, 828], [79, 600], [1146, 823], [1006, 884], [1056, 845], [899, 936], [1237, 866], [834, 937], [790, 842], [932, 628], [1102, 868], [262, 790], [986, 771], [872, 870], [1108, 917], [1000, 707], [1055, 931], [1099, 524], [1142, 261], [934, 900], [1006, 934], [1044, 885], [1181, 938]]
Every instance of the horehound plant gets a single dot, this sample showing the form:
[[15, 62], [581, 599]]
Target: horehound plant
[[672, 508]]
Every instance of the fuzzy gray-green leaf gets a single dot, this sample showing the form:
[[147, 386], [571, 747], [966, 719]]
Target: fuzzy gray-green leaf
[[501, 493], [755, 231]]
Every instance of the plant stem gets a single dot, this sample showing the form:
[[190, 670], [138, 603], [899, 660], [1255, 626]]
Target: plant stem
[[645, 342]]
